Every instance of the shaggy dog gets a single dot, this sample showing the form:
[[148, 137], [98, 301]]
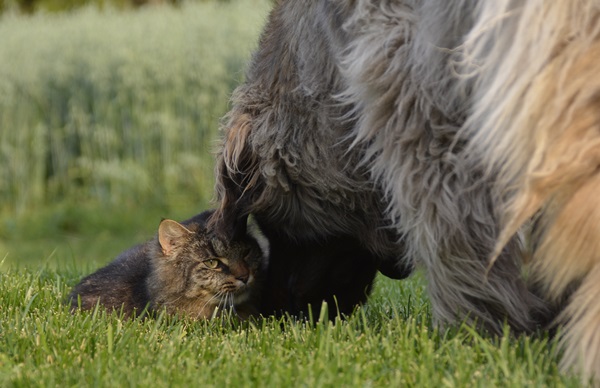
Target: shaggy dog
[[462, 137]]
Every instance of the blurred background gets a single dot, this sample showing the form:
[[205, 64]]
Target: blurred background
[[109, 115]]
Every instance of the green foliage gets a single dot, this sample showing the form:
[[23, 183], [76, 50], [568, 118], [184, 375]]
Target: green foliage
[[117, 107], [381, 345]]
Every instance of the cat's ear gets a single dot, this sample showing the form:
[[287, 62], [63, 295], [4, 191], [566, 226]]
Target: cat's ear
[[171, 234]]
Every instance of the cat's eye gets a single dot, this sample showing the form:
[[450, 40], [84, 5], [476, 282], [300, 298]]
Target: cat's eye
[[212, 263]]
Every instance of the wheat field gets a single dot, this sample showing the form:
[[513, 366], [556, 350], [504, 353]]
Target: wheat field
[[108, 121], [117, 106]]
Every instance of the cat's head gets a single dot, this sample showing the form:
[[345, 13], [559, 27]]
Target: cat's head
[[198, 271]]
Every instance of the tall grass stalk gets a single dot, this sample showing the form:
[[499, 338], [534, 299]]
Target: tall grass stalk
[[117, 106]]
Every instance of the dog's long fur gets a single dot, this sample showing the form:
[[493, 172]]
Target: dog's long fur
[[460, 136]]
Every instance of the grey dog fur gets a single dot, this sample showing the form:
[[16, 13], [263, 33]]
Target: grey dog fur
[[438, 134]]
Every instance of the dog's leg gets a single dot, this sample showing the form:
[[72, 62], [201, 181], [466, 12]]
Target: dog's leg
[[462, 286]]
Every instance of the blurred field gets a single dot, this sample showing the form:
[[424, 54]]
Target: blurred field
[[108, 120]]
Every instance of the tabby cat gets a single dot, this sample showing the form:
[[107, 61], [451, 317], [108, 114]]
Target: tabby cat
[[185, 269]]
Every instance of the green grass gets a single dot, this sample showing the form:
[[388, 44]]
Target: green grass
[[389, 342], [87, 234]]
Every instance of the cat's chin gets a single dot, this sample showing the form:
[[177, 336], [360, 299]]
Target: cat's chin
[[241, 297]]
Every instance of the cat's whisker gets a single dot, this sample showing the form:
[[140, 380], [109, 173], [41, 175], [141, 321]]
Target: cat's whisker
[[225, 304], [221, 305], [173, 302], [202, 313], [230, 301], [232, 304], [216, 296]]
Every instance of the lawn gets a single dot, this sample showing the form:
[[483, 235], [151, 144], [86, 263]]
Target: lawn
[[107, 123], [389, 342]]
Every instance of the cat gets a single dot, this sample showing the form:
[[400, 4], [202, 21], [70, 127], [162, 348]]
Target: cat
[[185, 270]]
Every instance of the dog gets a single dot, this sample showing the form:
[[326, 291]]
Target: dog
[[461, 137]]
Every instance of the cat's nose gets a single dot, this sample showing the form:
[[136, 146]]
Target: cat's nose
[[243, 277]]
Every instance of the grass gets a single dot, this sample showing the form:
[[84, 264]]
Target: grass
[[389, 342], [84, 234]]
